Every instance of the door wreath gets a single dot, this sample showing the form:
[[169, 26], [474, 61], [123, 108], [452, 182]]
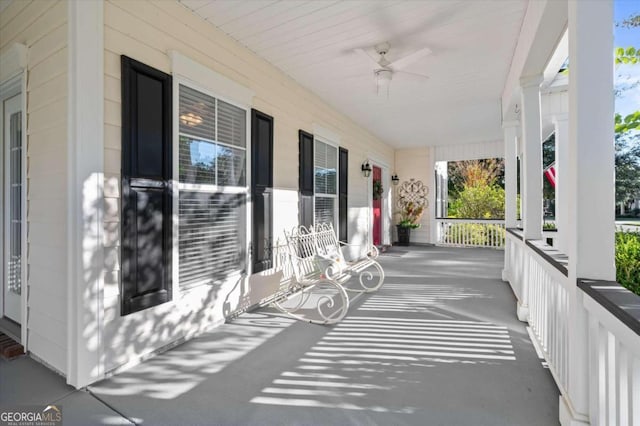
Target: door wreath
[[377, 189]]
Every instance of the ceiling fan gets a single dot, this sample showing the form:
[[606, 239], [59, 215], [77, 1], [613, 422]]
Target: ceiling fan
[[384, 70]]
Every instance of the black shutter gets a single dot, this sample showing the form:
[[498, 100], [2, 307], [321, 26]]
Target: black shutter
[[343, 180], [146, 187], [262, 189], [305, 177]]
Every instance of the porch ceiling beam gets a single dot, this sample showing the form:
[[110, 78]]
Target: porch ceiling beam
[[542, 30]]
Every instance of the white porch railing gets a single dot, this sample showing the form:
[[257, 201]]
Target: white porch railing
[[549, 314], [614, 364], [546, 297], [514, 251], [470, 232]]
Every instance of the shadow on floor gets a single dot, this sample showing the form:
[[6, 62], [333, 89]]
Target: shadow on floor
[[439, 344]]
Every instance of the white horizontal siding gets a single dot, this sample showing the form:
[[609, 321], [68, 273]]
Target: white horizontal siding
[[47, 350], [42, 27], [146, 31]]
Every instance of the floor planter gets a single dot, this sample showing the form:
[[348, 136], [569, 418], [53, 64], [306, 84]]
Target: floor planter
[[404, 235]]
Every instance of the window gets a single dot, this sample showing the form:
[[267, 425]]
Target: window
[[212, 187], [325, 183]]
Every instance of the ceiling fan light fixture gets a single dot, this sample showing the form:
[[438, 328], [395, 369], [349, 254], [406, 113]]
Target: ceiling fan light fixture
[[383, 80], [190, 119], [384, 76]]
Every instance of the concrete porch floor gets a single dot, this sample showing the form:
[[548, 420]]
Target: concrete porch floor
[[439, 344]]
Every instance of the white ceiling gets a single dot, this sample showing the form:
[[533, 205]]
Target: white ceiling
[[313, 41]]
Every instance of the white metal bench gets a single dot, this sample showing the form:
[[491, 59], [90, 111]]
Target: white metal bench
[[320, 274]]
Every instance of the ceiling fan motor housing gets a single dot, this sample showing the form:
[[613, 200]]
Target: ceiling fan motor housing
[[382, 48]]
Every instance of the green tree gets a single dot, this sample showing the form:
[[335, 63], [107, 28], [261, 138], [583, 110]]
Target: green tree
[[627, 167], [628, 260], [628, 123], [629, 55], [479, 202], [479, 189], [632, 21], [474, 172], [627, 129]]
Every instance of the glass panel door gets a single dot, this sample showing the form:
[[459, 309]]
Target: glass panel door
[[12, 206]]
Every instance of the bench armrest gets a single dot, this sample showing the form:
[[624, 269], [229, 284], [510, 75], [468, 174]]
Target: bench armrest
[[373, 252]]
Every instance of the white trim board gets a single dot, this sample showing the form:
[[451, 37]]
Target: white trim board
[[203, 76], [326, 134], [13, 81], [378, 161]]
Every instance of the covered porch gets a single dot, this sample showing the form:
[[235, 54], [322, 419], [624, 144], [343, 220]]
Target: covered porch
[[257, 117], [439, 344]]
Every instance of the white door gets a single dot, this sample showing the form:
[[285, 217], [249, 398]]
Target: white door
[[12, 207]]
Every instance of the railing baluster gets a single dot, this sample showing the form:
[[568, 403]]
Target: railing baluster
[[634, 397], [622, 372], [611, 379], [471, 232], [547, 302]]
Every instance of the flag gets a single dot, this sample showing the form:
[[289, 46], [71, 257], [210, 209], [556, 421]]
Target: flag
[[550, 173]]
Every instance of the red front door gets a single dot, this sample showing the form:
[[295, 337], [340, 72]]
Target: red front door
[[377, 206]]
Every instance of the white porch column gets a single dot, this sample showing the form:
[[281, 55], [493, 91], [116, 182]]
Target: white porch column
[[561, 124], [520, 176], [590, 181], [432, 197], [532, 167], [510, 130], [85, 259]]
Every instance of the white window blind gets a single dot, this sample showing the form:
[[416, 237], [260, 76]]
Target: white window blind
[[232, 124], [324, 211], [197, 113], [212, 236], [325, 182], [212, 188]]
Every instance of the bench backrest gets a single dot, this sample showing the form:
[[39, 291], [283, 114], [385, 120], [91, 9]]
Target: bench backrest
[[304, 243]]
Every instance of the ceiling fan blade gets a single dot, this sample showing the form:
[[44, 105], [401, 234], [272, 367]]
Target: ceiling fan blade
[[363, 53], [413, 74], [410, 59]]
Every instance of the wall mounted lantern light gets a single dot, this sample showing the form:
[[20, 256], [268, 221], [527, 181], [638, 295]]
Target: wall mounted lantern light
[[366, 169], [395, 179]]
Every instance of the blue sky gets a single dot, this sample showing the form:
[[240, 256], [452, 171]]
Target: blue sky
[[623, 37]]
